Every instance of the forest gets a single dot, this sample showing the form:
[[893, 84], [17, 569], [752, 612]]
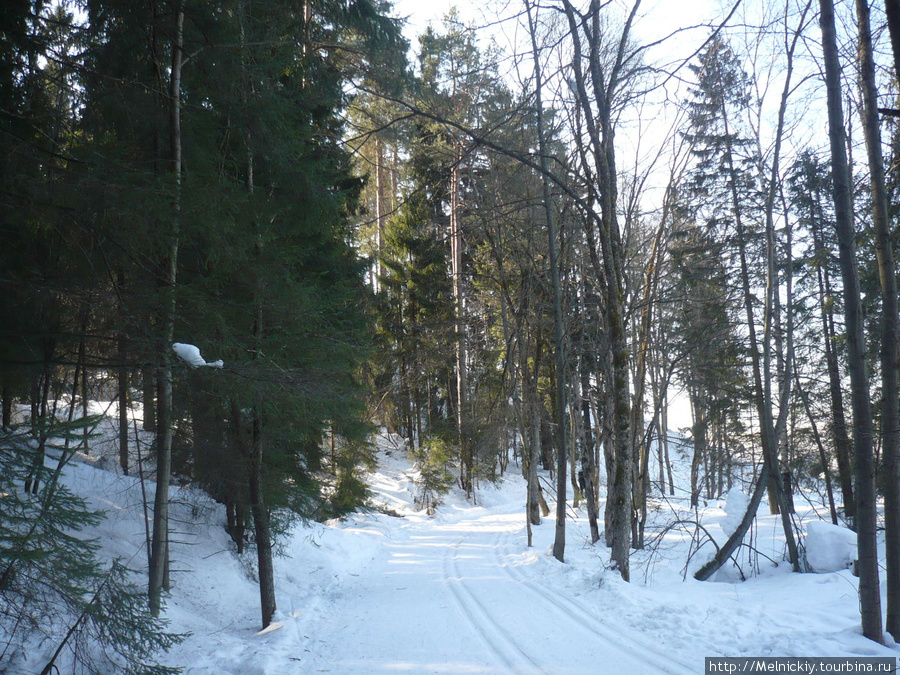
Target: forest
[[517, 242]]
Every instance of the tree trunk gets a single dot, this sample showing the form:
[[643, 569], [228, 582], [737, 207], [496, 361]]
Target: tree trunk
[[823, 457], [732, 543], [698, 431], [254, 453], [148, 381], [7, 404], [534, 445], [587, 457], [465, 467], [123, 418], [379, 211], [866, 507], [665, 432], [41, 424], [85, 403], [761, 376], [892, 12], [529, 432], [559, 541], [890, 413], [123, 389], [260, 515], [533, 406], [160, 545], [598, 117], [842, 444], [772, 320], [76, 383], [641, 450]]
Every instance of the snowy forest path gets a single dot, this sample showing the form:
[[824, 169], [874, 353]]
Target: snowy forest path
[[621, 651], [458, 596]]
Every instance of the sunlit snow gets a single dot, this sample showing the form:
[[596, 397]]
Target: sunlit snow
[[394, 591]]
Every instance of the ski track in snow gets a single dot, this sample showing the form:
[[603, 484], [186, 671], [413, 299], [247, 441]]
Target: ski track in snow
[[559, 618], [497, 638], [498, 619], [613, 640]]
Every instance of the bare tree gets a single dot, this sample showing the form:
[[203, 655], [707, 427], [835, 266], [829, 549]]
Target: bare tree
[[866, 514], [597, 85], [890, 340], [559, 541]]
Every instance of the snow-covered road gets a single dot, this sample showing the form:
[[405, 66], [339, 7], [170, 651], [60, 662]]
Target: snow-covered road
[[461, 597], [394, 591]]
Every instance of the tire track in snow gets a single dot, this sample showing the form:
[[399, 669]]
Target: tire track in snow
[[494, 636], [644, 654]]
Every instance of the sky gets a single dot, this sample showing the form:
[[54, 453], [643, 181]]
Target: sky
[[656, 18]]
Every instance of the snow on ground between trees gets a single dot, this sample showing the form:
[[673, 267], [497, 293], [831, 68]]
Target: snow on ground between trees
[[829, 548], [396, 591]]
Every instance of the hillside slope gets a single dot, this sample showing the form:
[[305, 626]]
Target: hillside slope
[[393, 590]]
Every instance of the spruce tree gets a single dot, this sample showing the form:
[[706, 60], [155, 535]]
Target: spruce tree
[[809, 188], [53, 585], [725, 179]]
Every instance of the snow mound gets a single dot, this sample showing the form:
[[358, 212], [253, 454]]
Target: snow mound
[[736, 503], [829, 548]]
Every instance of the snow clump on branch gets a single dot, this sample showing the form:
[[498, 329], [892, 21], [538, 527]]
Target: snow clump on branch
[[191, 355]]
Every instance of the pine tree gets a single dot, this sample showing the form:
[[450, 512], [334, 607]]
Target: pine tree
[[289, 320], [460, 83], [416, 320]]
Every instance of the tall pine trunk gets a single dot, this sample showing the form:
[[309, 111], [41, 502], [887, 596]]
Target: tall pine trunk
[[123, 385], [254, 450], [261, 529], [148, 396]]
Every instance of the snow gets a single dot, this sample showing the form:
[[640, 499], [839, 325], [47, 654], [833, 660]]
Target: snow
[[190, 354], [829, 548], [394, 591], [736, 503]]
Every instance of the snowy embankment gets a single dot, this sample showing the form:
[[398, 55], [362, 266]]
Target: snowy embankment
[[395, 591]]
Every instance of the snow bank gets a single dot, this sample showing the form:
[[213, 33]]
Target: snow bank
[[829, 548]]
